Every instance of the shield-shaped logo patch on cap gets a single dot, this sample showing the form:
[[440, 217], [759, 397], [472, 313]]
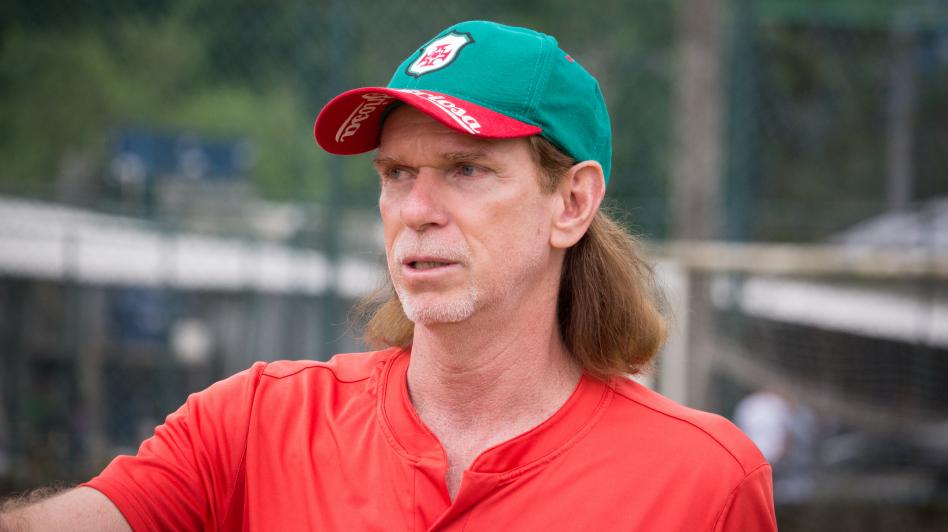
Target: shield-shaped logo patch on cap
[[439, 53]]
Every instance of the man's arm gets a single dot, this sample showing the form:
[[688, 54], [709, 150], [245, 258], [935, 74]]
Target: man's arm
[[80, 509], [181, 479]]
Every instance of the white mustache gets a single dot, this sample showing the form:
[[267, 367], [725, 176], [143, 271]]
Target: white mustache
[[408, 244]]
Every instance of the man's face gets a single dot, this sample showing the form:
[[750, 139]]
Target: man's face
[[466, 225]]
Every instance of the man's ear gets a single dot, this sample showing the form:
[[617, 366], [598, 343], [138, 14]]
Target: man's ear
[[577, 199]]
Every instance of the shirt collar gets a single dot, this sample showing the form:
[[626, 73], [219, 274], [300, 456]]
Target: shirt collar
[[533, 448]]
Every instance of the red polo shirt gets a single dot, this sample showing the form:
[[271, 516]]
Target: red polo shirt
[[338, 446]]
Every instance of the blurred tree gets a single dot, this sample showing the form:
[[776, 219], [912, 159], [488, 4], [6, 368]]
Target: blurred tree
[[806, 152], [812, 88], [823, 130], [64, 90]]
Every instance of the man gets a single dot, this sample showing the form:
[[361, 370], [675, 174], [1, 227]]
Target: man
[[518, 309]]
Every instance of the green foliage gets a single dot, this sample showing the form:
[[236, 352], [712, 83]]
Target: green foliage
[[811, 112], [931, 141], [851, 14], [67, 91], [826, 138], [56, 95]]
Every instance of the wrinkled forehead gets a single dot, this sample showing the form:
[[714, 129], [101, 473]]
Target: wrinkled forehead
[[405, 123]]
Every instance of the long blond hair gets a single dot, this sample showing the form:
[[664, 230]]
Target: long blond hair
[[607, 307]]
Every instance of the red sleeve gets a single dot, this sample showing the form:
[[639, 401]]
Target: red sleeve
[[750, 507], [184, 476]]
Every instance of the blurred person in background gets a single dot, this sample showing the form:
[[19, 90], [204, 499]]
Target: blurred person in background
[[784, 432], [517, 311]]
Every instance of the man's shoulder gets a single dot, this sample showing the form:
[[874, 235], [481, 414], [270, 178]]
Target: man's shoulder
[[344, 367], [707, 434], [284, 378]]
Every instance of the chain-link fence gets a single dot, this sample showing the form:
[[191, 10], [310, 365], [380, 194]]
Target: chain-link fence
[[836, 114], [167, 219], [833, 359]]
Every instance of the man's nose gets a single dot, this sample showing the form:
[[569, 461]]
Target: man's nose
[[423, 207]]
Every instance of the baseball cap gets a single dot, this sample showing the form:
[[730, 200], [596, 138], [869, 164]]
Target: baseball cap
[[484, 79]]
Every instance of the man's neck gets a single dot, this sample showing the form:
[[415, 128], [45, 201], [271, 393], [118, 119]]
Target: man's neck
[[478, 384], [461, 368]]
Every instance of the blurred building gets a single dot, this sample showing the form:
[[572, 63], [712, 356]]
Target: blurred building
[[108, 322], [868, 355]]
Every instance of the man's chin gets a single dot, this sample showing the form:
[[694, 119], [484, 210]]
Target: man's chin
[[434, 312]]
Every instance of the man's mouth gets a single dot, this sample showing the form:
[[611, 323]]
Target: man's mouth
[[426, 264]]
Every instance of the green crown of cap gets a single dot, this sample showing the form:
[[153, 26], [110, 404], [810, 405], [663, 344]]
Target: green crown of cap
[[522, 74]]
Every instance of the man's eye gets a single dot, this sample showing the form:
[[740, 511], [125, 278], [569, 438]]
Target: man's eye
[[467, 170], [394, 174]]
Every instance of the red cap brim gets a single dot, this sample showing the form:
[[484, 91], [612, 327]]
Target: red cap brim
[[350, 123]]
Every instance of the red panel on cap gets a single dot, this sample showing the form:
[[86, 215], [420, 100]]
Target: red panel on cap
[[350, 123]]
